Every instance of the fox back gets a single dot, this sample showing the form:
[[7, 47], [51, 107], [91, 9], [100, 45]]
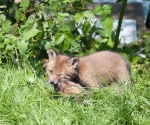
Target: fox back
[[94, 70]]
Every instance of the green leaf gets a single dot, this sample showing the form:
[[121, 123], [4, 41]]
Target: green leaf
[[22, 46], [107, 9], [19, 14], [70, 24], [77, 4], [86, 27], [68, 1], [48, 45], [60, 19], [104, 40], [2, 17], [24, 3], [98, 10], [88, 14], [2, 45], [107, 24], [64, 30], [135, 59], [6, 25], [48, 13], [6, 40], [59, 38], [78, 17], [54, 5], [63, 14], [62, 6], [74, 44], [64, 46], [102, 33], [9, 38], [45, 25], [9, 47], [110, 42], [29, 33], [30, 21], [68, 36]]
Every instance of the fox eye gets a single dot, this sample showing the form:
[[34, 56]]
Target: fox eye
[[50, 71], [60, 74]]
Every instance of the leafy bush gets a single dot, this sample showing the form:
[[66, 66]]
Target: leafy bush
[[67, 26], [64, 25]]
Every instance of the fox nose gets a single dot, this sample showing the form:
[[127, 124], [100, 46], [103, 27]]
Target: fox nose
[[50, 82], [53, 82]]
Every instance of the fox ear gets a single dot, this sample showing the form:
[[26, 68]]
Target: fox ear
[[74, 61], [52, 54]]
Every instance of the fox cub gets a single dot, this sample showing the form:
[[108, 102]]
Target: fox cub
[[95, 70]]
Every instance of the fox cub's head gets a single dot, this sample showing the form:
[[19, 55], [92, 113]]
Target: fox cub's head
[[60, 66]]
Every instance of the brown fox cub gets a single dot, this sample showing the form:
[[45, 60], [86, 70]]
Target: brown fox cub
[[94, 70]]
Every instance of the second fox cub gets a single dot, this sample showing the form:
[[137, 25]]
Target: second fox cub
[[66, 87], [94, 70]]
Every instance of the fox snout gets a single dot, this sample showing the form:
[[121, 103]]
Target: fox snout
[[53, 82]]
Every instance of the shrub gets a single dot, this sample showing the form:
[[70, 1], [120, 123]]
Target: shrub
[[66, 26]]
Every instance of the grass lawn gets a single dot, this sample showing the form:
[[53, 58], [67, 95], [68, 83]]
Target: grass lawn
[[26, 99]]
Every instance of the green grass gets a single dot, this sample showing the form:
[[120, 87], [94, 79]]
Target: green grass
[[26, 99]]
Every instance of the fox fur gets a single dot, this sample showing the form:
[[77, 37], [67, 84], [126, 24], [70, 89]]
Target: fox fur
[[95, 70]]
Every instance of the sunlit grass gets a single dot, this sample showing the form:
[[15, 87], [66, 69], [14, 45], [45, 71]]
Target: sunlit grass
[[26, 99]]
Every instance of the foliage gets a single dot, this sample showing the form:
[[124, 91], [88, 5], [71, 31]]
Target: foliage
[[67, 26], [64, 25]]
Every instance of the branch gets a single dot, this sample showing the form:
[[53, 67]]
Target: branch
[[16, 24], [116, 43]]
